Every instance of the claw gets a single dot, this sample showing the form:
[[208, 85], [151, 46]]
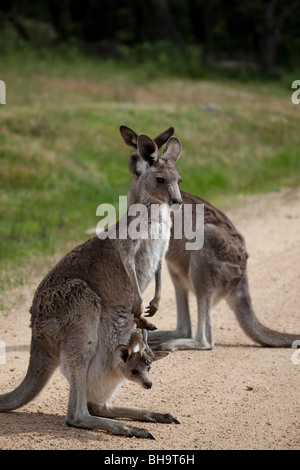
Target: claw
[[150, 436], [150, 314], [151, 310]]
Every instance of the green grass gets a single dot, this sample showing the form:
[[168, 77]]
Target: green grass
[[61, 153]]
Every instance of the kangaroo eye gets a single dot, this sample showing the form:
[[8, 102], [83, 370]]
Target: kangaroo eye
[[134, 372], [160, 180]]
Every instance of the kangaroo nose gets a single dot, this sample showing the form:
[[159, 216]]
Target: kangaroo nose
[[177, 201], [148, 384]]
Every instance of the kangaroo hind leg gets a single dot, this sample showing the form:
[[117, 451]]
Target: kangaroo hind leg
[[203, 338], [76, 354], [165, 339]]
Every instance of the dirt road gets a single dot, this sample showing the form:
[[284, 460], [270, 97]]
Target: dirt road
[[237, 396]]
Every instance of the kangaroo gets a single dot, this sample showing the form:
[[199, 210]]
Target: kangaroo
[[127, 363], [217, 271], [89, 304]]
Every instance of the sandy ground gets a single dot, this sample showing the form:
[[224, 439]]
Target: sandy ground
[[237, 396]]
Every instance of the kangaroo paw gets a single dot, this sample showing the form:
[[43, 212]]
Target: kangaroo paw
[[142, 323], [151, 309]]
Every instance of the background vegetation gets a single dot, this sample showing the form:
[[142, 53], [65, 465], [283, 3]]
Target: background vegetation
[[260, 33], [75, 71]]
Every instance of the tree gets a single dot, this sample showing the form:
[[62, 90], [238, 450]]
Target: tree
[[60, 18], [158, 22], [11, 12], [269, 31], [202, 16]]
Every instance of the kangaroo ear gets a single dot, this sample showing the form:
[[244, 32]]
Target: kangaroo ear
[[147, 149], [159, 355], [124, 351], [173, 150], [129, 136], [162, 138]]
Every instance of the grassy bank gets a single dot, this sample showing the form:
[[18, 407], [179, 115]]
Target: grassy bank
[[61, 153]]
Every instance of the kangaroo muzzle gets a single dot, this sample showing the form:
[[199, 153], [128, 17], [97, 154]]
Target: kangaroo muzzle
[[176, 202], [148, 384]]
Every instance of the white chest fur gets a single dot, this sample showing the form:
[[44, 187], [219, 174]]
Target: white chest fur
[[153, 247]]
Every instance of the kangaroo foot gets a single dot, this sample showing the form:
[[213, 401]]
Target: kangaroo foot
[[111, 425], [163, 336], [183, 344]]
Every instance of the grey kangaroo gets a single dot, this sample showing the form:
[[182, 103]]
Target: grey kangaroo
[[85, 309], [217, 271]]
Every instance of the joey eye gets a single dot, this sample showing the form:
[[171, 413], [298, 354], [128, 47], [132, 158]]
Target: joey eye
[[134, 372], [160, 180]]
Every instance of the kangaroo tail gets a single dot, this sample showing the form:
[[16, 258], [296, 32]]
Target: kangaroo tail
[[240, 302], [41, 366]]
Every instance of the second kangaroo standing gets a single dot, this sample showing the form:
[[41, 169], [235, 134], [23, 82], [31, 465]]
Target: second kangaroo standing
[[217, 271], [85, 307]]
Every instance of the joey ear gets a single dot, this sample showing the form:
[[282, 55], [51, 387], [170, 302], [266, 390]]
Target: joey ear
[[129, 136], [159, 355], [133, 345], [147, 149], [173, 150], [124, 351], [162, 138]]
